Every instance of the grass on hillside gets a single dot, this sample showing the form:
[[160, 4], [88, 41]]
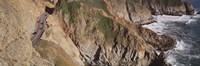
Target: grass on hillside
[[70, 8], [105, 26], [97, 4], [170, 2]]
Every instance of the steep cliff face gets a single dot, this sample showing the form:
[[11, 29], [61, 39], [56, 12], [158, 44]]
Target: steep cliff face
[[105, 39], [169, 7], [17, 20], [82, 32], [140, 11], [130, 10]]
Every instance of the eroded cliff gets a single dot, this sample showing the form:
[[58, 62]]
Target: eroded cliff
[[140, 11], [82, 32]]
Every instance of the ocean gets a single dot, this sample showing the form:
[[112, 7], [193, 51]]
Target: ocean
[[186, 30]]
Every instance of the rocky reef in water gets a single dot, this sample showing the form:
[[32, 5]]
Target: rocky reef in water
[[86, 32]]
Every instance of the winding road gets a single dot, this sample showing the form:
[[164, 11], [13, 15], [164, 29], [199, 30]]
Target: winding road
[[40, 28]]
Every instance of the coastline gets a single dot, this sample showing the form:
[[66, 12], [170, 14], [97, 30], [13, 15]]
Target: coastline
[[180, 43]]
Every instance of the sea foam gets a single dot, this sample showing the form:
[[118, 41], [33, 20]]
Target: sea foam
[[181, 45], [160, 25], [159, 28]]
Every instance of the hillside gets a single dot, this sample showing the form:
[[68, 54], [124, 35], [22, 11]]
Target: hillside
[[85, 32]]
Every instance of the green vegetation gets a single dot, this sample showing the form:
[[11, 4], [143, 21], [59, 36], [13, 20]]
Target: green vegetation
[[136, 1], [105, 26], [71, 9], [43, 53], [60, 62], [94, 29], [64, 6], [73, 6], [40, 48], [101, 4], [176, 2], [97, 4], [170, 2]]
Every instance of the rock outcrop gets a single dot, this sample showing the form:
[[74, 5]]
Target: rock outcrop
[[198, 12], [106, 39], [169, 7], [84, 32], [16, 24], [130, 10], [140, 11]]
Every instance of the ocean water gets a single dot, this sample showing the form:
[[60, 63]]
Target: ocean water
[[186, 30]]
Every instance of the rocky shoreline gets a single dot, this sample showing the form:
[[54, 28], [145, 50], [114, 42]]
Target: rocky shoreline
[[171, 7], [141, 11], [86, 32], [156, 7]]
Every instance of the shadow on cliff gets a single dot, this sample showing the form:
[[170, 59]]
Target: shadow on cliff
[[49, 10], [160, 60]]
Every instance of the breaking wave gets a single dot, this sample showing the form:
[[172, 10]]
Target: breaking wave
[[177, 27]]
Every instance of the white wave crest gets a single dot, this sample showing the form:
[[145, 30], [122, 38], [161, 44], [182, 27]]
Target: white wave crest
[[181, 45], [156, 27], [167, 18], [159, 28], [193, 19]]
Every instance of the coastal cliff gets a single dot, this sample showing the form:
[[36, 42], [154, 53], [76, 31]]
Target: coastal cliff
[[170, 7], [85, 32], [140, 11]]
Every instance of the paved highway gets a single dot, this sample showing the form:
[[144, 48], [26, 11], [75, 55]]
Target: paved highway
[[40, 28]]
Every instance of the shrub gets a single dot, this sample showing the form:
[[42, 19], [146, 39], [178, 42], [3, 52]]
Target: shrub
[[170, 2], [105, 26], [60, 62], [97, 4], [70, 8]]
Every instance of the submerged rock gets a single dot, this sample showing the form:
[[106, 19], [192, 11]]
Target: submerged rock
[[160, 60]]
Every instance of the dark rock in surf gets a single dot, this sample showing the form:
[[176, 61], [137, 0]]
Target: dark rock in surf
[[198, 12]]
